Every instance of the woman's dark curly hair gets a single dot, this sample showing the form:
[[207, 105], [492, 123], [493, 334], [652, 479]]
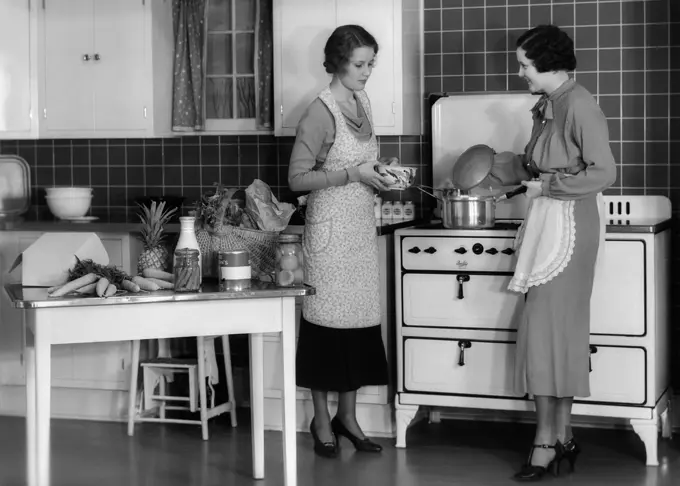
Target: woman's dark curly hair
[[549, 47], [342, 43]]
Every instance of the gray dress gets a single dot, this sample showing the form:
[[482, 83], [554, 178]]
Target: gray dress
[[570, 153]]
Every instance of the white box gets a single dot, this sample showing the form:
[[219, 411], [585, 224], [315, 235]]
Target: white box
[[47, 261]]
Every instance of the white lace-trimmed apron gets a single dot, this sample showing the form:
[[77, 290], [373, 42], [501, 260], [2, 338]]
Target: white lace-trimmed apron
[[340, 242], [546, 242]]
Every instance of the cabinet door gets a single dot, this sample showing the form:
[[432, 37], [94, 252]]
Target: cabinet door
[[15, 68], [301, 30], [120, 65], [378, 18], [618, 304], [68, 70]]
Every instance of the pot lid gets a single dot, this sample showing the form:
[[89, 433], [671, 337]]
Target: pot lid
[[473, 166]]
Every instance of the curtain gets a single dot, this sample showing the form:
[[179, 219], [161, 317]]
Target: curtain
[[264, 65], [188, 18]]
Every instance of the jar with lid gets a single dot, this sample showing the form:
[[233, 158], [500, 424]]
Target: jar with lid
[[289, 261], [187, 270], [409, 211], [397, 212]]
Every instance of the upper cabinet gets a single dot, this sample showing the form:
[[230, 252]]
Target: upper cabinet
[[18, 62], [105, 68], [301, 28]]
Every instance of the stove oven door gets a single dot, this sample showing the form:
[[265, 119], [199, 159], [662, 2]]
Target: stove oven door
[[460, 300]]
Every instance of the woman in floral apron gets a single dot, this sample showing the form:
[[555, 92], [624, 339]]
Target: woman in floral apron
[[340, 346], [559, 243]]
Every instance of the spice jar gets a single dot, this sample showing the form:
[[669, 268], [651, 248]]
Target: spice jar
[[187, 270], [289, 260]]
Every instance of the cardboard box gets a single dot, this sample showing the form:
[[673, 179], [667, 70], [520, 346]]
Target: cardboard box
[[47, 261]]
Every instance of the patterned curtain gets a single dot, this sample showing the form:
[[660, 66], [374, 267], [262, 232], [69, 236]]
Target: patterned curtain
[[264, 62], [189, 66]]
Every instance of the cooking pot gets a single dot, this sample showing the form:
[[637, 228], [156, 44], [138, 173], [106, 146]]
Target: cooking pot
[[461, 210]]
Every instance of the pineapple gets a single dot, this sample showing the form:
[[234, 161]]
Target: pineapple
[[155, 254]]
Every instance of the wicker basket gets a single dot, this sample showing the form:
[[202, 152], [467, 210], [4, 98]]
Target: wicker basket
[[260, 244]]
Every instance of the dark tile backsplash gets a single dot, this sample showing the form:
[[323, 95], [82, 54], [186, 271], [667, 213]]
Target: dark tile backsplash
[[628, 54]]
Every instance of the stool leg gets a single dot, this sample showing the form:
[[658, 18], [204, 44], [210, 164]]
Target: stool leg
[[161, 391], [226, 349], [132, 398], [200, 346]]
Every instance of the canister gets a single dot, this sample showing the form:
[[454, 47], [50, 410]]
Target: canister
[[234, 269]]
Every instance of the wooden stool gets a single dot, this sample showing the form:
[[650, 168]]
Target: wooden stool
[[156, 371]]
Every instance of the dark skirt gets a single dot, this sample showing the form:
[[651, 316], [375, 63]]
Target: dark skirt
[[340, 360]]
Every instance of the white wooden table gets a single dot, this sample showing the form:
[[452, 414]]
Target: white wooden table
[[264, 308]]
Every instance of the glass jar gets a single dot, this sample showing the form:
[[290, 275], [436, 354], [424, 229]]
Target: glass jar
[[289, 261], [187, 270]]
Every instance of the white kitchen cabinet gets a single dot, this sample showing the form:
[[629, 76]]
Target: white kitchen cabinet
[[105, 68], [18, 63], [103, 366], [301, 29]]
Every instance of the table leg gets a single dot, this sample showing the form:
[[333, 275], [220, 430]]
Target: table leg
[[202, 395], [31, 450], [257, 402], [289, 394], [43, 361], [132, 397]]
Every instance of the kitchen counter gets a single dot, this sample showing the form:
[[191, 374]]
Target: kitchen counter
[[36, 297], [104, 227]]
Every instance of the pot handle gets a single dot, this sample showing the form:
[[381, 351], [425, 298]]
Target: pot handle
[[513, 193], [420, 188]]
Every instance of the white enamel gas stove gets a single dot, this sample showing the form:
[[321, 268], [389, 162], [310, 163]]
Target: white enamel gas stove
[[456, 320]]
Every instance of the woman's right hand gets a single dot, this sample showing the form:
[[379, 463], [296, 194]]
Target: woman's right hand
[[369, 176]]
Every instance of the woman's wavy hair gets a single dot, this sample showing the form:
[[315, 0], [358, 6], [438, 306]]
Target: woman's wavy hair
[[549, 47], [342, 43]]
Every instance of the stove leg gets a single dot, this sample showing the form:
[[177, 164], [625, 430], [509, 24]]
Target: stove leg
[[648, 430], [435, 416], [667, 421], [405, 415]]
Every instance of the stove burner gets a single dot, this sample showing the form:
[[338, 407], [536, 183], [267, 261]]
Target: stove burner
[[508, 225]]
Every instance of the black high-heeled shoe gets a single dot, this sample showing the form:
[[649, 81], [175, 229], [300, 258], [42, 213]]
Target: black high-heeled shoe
[[323, 449], [571, 452], [531, 472], [363, 445]]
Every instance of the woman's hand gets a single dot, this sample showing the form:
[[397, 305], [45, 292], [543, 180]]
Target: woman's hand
[[389, 160], [534, 188], [369, 176]]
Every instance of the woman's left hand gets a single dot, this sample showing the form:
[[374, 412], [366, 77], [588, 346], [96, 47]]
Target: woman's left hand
[[534, 188], [389, 160]]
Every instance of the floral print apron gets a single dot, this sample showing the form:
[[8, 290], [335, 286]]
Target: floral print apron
[[340, 241]]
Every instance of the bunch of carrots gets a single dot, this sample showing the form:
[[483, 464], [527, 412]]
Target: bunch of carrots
[[89, 278]]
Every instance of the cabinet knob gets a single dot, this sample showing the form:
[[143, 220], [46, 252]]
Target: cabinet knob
[[97, 57], [593, 350], [462, 279], [86, 57]]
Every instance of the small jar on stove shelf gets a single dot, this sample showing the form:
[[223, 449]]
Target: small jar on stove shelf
[[289, 259], [187, 270]]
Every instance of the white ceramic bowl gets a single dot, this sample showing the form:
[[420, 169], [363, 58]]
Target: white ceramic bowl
[[69, 207], [68, 191]]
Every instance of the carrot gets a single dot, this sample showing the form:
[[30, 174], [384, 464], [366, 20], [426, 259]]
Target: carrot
[[164, 284], [110, 290], [102, 285], [52, 289], [183, 278], [88, 289], [144, 284], [130, 286], [74, 285], [156, 273]]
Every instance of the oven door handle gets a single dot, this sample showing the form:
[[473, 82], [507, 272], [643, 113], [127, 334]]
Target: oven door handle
[[463, 345], [461, 280]]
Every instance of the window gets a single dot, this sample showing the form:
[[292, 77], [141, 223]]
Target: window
[[231, 87]]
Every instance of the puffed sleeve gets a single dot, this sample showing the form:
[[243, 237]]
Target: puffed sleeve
[[315, 127], [591, 134]]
